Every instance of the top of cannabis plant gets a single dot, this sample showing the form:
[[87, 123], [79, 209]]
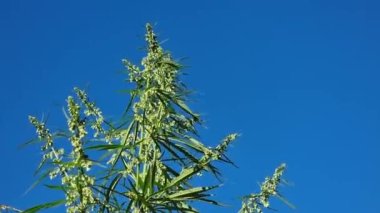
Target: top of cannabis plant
[[146, 163]]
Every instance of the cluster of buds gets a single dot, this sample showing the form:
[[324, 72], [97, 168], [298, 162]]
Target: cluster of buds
[[72, 168], [254, 202]]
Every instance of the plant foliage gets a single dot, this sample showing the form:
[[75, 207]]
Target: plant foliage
[[147, 160]]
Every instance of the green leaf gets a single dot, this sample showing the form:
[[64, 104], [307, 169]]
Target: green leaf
[[130, 103], [45, 206], [39, 180], [112, 186], [192, 143], [31, 141], [180, 179], [184, 107], [192, 193], [121, 151], [105, 147], [285, 201], [149, 179], [55, 187]]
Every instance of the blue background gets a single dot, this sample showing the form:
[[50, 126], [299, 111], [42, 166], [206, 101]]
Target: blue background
[[298, 79]]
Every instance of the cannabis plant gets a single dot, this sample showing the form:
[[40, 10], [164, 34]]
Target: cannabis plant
[[144, 162]]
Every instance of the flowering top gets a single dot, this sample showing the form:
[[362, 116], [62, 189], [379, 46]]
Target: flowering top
[[146, 161]]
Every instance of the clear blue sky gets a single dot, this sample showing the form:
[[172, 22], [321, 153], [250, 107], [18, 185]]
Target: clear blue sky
[[298, 79]]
